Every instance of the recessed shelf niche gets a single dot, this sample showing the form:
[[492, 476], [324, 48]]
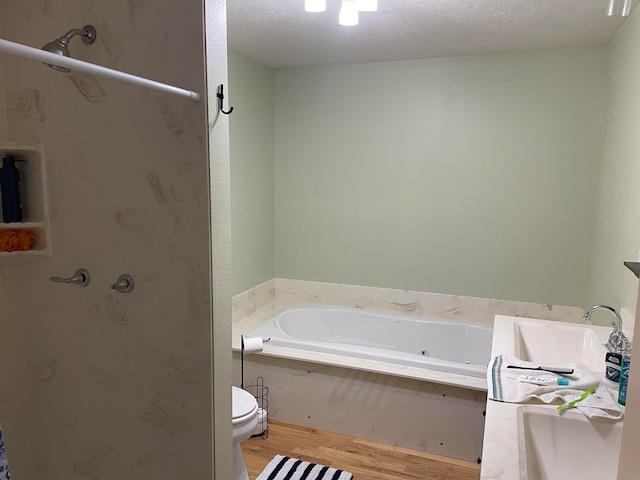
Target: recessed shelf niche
[[33, 193]]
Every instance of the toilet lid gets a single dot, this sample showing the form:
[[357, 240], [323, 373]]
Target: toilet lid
[[243, 403]]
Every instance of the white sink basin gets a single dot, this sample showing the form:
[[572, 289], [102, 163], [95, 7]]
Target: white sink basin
[[567, 446], [550, 343]]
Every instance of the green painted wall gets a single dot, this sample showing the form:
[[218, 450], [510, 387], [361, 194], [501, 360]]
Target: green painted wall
[[251, 126], [616, 228], [467, 175]]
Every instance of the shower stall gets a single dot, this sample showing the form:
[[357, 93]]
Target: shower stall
[[96, 382]]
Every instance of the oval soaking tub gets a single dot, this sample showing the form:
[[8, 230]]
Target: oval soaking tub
[[418, 342]]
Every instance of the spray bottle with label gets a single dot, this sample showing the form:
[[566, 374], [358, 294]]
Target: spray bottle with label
[[624, 379]]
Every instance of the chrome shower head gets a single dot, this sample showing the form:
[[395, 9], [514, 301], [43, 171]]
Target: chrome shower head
[[60, 46]]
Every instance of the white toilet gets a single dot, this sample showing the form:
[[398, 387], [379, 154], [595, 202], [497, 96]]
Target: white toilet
[[245, 420]]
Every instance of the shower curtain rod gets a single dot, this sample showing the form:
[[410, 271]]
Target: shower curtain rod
[[47, 57]]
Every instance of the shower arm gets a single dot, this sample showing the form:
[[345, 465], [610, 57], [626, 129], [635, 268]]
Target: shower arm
[[78, 65], [85, 34]]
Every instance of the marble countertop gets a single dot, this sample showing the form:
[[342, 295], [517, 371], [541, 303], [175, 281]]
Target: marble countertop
[[500, 454], [246, 324]]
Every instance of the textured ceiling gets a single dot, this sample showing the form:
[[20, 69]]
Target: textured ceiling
[[279, 33]]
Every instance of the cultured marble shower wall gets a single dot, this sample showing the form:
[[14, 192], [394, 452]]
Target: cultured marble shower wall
[[3, 100], [93, 383]]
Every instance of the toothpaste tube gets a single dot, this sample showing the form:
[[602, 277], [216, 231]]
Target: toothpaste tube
[[543, 380]]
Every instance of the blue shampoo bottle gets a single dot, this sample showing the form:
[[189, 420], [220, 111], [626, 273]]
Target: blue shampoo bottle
[[10, 191]]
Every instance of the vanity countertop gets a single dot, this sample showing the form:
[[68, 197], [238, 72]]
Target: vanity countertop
[[500, 455]]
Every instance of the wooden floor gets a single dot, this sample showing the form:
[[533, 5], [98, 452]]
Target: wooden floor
[[366, 460]]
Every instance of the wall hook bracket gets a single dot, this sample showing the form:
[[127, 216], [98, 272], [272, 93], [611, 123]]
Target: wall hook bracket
[[220, 96]]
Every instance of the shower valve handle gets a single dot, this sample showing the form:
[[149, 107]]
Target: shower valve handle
[[80, 278], [124, 284]]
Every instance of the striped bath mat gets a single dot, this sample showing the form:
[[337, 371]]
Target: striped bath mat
[[286, 468]]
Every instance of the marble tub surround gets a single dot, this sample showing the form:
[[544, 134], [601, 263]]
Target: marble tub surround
[[501, 455], [281, 292], [249, 301], [257, 305]]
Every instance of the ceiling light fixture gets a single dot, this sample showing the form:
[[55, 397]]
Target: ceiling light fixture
[[315, 6], [367, 5], [349, 10], [348, 13], [619, 7]]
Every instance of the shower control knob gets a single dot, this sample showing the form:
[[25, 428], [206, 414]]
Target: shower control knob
[[124, 284], [80, 278]]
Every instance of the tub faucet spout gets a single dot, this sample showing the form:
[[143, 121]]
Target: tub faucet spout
[[617, 342]]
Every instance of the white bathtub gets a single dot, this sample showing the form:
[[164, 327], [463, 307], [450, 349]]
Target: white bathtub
[[418, 342]]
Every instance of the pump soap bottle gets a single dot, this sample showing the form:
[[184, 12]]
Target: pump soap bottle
[[10, 191]]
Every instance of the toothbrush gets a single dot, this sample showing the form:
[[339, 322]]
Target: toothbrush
[[571, 404], [544, 368]]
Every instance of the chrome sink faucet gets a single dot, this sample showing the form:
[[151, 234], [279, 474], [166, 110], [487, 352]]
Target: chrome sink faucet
[[617, 342]]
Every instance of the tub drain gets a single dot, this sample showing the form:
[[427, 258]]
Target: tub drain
[[424, 352]]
